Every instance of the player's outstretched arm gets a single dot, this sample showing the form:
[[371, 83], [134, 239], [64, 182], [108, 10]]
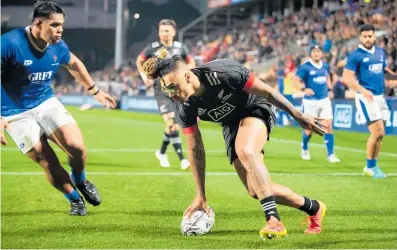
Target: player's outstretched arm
[[260, 88], [196, 153], [78, 70]]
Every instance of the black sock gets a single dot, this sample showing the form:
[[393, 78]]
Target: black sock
[[310, 207], [270, 208], [164, 144], [177, 143]]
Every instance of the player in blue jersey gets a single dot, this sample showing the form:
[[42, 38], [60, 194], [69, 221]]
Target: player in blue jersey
[[313, 78], [31, 114], [367, 63]]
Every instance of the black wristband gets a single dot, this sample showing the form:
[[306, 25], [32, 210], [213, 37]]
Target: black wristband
[[303, 89], [329, 90], [93, 86]]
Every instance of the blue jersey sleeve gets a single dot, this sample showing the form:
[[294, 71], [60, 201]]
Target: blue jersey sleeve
[[64, 53], [302, 73], [352, 62]]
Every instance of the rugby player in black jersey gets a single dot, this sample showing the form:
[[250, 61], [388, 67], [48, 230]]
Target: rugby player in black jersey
[[225, 92], [167, 31]]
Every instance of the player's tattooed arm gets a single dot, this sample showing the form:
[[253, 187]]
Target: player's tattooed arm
[[196, 153], [260, 88]]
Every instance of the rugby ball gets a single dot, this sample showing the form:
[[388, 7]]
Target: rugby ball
[[198, 224]]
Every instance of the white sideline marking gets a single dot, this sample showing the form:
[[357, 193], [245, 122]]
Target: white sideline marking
[[148, 150], [189, 174]]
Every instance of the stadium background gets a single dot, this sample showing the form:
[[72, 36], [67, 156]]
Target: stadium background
[[268, 37]]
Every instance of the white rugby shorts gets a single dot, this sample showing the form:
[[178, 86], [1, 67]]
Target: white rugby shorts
[[318, 108], [26, 128]]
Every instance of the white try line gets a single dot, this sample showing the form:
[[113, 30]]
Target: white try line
[[189, 174]]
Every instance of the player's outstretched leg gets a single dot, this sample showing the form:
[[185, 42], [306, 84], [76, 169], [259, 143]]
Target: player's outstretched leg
[[313, 208], [377, 131], [305, 154], [252, 135], [284, 196], [70, 139], [329, 143], [43, 154]]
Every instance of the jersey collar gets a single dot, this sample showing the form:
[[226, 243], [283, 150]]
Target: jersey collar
[[30, 38], [372, 50], [316, 65]]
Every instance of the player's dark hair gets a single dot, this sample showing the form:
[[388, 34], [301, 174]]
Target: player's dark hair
[[366, 27], [158, 67], [46, 9], [168, 22]]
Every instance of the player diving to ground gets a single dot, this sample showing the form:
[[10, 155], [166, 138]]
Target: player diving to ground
[[368, 64], [313, 78], [225, 92], [167, 31], [31, 114]]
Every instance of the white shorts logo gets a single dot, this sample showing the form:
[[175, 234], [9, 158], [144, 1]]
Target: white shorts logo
[[221, 112], [343, 116]]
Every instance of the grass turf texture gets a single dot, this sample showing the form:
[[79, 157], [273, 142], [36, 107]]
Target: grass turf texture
[[145, 210]]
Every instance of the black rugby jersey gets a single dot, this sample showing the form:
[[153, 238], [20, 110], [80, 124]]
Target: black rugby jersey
[[224, 99], [152, 50]]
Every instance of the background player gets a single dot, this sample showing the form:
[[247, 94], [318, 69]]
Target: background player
[[227, 93], [167, 32], [31, 114], [313, 78], [368, 63]]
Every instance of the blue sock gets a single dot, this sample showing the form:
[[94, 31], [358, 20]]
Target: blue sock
[[73, 196], [77, 177], [305, 141], [371, 163], [329, 142]]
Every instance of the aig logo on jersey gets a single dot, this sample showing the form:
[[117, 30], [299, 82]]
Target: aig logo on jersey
[[343, 116], [220, 112], [376, 68], [40, 76]]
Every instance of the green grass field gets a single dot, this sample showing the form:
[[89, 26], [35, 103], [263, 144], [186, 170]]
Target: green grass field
[[143, 203]]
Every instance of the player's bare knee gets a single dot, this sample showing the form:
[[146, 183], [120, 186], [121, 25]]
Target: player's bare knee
[[76, 148], [379, 134], [245, 153]]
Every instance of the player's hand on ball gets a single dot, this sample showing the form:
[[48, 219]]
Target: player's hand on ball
[[314, 124], [3, 126], [199, 202], [105, 99]]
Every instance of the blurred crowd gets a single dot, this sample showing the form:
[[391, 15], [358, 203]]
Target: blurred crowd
[[280, 46]]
